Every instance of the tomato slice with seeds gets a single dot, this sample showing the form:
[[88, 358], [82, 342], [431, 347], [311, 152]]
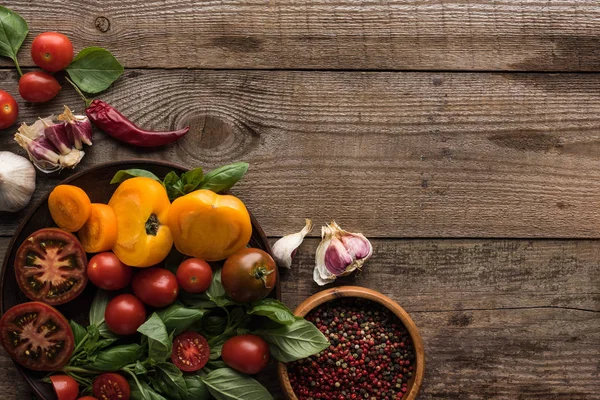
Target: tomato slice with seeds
[[66, 387], [37, 336], [111, 386], [50, 266], [190, 351]]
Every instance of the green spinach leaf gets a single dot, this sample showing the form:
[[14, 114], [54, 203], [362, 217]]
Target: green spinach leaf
[[94, 69], [13, 31], [125, 174], [227, 384], [293, 342], [115, 358], [159, 343], [274, 310], [179, 318], [223, 178]]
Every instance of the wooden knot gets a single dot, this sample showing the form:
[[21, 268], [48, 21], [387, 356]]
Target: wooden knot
[[102, 24]]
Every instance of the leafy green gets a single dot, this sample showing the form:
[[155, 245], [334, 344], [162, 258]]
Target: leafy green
[[159, 343], [98, 306], [177, 186], [293, 342], [179, 318], [227, 384], [197, 390], [171, 382], [223, 178], [79, 332], [115, 358], [13, 31], [125, 174], [94, 69], [142, 391], [105, 332], [274, 310], [216, 291]]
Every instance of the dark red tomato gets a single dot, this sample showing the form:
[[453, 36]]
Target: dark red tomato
[[52, 51], [50, 266], [190, 351], [155, 286], [66, 388], [37, 336], [194, 275], [246, 353], [38, 87], [249, 275], [106, 271], [125, 314], [8, 110], [87, 398], [111, 386]]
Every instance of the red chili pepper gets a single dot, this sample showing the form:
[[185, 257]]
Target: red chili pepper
[[108, 119]]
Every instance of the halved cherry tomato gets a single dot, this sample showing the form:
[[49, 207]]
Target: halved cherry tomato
[[124, 314], [38, 87], [111, 386], [107, 272], [190, 351], [246, 353], [52, 51], [249, 275], [69, 207], [99, 233], [37, 336], [8, 110], [66, 388], [50, 266], [155, 286], [194, 275]]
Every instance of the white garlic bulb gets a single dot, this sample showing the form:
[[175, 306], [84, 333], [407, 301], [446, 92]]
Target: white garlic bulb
[[285, 248], [17, 181]]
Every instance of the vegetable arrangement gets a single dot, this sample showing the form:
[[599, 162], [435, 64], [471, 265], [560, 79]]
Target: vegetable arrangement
[[164, 324]]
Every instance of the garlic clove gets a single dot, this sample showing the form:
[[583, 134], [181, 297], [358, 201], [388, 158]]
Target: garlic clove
[[78, 126], [285, 248], [17, 181], [57, 135]]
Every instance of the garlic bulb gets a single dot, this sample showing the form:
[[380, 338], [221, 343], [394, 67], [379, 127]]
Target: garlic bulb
[[285, 248], [339, 253], [17, 181]]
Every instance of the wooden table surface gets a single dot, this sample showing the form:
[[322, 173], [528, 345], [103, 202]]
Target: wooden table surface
[[462, 136]]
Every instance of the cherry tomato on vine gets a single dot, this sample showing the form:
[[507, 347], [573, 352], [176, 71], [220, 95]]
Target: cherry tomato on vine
[[38, 87], [125, 314], [249, 275], [111, 386], [52, 51], [8, 110], [66, 388], [107, 272], [190, 351], [155, 286], [194, 275], [246, 353]]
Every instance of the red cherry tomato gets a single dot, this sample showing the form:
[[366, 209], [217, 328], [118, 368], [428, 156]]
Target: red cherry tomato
[[66, 388], [246, 353], [190, 351], [52, 51], [111, 386], [106, 271], [249, 275], [8, 110], [194, 275], [38, 87], [155, 286], [124, 314]]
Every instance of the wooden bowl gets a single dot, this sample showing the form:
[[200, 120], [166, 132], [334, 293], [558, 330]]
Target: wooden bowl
[[96, 183], [414, 384]]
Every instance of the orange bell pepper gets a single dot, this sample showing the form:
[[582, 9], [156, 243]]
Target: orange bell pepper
[[209, 226], [141, 206]]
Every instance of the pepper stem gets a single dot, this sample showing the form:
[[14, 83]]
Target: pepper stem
[[85, 99]]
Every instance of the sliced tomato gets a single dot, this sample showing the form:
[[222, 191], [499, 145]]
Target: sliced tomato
[[190, 351], [66, 388], [37, 336], [50, 266], [111, 386]]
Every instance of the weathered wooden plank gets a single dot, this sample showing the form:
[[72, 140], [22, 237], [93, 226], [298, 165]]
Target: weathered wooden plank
[[346, 34], [391, 154]]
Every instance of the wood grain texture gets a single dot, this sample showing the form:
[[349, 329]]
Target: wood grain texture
[[346, 34], [389, 154]]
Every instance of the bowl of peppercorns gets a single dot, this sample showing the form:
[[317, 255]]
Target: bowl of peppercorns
[[375, 352]]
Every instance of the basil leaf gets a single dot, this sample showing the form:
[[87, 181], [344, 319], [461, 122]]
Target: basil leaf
[[196, 389], [274, 310], [216, 291], [213, 325], [125, 174], [115, 358], [94, 69], [140, 369], [179, 318], [143, 391], [223, 178], [227, 384], [293, 342], [215, 351], [98, 306], [159, 343], [193, 178], [13, 31], [78, 332], [170, 183], [105, 332], [170, 381]]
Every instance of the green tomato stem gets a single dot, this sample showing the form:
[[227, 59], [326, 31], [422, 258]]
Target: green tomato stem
[[85, 99]]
